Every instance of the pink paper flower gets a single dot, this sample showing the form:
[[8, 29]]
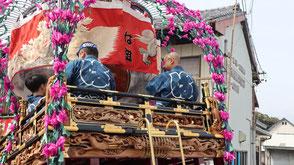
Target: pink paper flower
[[62, 117], [12, 127], [6, 84], [228, 135], [16, 118], [218, 78], [5, 50], [50, 150], [53, 119], [46, 120], [172, 49], [164, 44], [229, 157], [208, 58], [46, 152], [166, 38], [8, 147], [57, 92], [12, 108], [219, 96], [185, 36], [3, 64], [224, 115], [59, 66], [60, 143], [1, 110], [218, 61]]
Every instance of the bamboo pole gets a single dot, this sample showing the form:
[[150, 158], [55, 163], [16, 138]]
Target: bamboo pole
[[230, 66]]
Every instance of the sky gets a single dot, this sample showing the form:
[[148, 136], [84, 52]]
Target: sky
[[270, 22]]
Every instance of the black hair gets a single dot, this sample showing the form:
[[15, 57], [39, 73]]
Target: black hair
[[90, 50], [34, 82]]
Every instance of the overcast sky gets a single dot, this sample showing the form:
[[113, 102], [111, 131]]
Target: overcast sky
[[271, 23]]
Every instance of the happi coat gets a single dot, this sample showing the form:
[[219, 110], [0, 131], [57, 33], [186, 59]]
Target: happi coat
[[173, 84], [89, 72]]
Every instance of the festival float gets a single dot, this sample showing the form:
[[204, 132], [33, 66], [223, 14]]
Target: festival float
[[131, 130]]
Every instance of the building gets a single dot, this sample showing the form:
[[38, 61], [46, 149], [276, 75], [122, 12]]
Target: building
[[262, 135], [244, 78], [279, 150]]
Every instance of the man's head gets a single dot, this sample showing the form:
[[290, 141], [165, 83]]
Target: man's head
[[171, 60], [36, 83], [87, 48]]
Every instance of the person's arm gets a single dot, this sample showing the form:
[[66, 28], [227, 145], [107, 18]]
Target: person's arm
[[156, 85], [195, 91], [112, 82], [112, 85]]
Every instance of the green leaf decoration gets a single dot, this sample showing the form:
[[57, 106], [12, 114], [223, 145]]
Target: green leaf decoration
[[231, 148], [65, 132], [44, 139], [61, 157], [59, 50], [55, 134]]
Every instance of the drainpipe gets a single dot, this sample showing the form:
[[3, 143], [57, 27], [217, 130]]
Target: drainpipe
[[252, 144]]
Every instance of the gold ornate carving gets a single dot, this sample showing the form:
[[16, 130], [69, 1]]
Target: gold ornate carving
[[40, 123], [27, 134], [30, 155], [105, 145], [99, 114], [184, 121], [216, 127]]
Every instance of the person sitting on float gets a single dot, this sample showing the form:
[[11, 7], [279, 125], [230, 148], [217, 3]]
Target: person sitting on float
[[89, 72], [174, 83], [36, 83]]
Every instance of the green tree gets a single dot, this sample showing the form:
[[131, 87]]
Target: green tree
[[267, 120]]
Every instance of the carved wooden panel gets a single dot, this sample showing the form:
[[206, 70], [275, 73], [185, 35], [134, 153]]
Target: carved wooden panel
[[27, 134], [216, 127], [98, 114], [183, 121], [104, 145], [40, 123], [30, 155]]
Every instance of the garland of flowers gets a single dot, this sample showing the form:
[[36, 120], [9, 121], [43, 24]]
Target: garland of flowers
[[6, 87], [11, 101], [197, 30], [62, 20]]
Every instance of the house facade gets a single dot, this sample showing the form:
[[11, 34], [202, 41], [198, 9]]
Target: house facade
[[244, 76], [279, 149]]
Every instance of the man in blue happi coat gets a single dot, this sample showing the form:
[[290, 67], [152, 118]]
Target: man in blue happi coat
[[88, 71], [36, 83], [174, 83]]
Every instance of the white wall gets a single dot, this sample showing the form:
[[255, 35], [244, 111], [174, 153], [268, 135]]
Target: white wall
[[281, 129], [240, 103], [282, 157]]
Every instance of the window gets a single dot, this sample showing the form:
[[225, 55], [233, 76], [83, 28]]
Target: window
[[191, 65], [241, 158]]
